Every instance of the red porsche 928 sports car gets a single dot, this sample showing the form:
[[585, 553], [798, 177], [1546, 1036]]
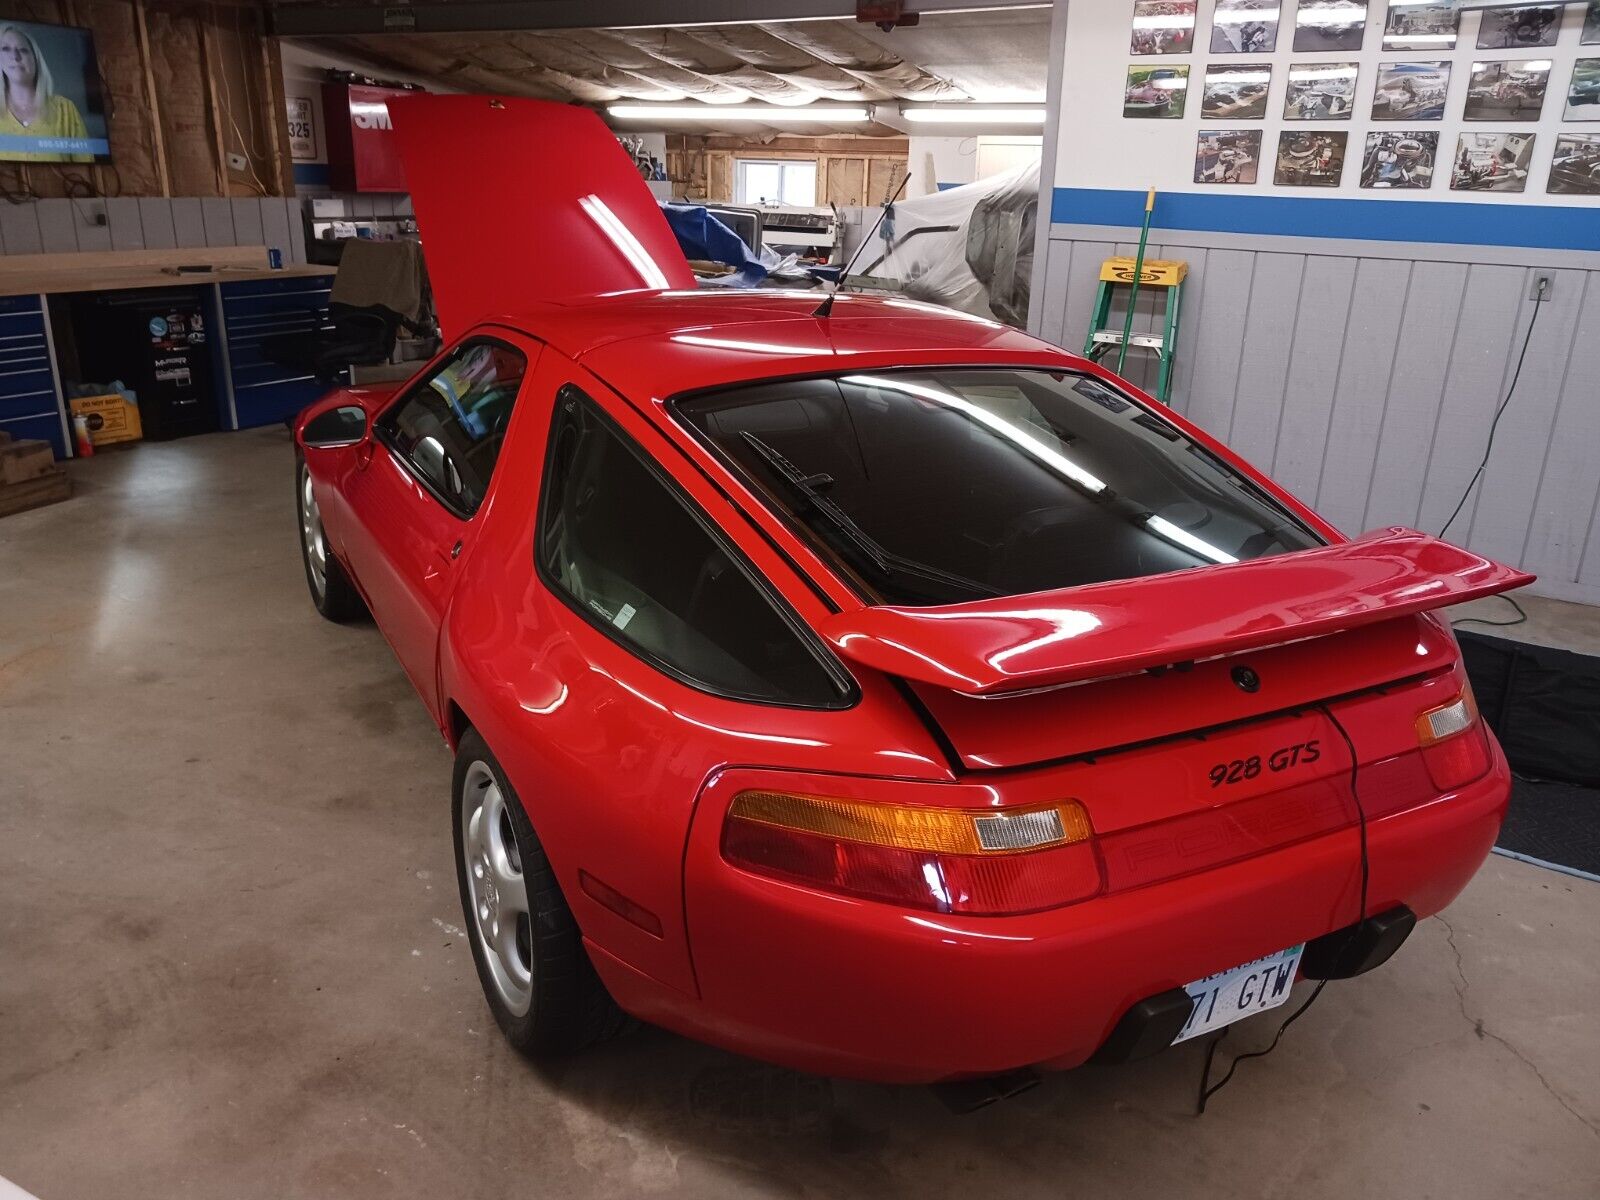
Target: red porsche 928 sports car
[[864, 686]]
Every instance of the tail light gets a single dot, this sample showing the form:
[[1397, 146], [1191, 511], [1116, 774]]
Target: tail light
[[981, 861], [1454, 748]]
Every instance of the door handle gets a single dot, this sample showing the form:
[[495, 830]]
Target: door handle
[[455, 551]]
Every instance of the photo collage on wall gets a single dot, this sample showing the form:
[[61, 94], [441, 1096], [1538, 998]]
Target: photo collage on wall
[[1397, 151]]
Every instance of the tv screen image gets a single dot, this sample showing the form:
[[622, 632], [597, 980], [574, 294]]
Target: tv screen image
[[52, 104]]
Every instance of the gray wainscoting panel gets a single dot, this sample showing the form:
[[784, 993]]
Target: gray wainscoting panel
[[1321, 327], [216, 216], [56, 221], [1271, 308], [127, 231], [1348, 454], [155, 219], [188, 222], [1414, 394], [1367, 383], [1564, 510], [247, 222], [68, 226]]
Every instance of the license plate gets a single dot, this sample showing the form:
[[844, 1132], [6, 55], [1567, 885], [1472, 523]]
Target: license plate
[[1240, 992]]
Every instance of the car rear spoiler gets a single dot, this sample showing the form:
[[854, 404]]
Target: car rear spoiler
[[1048, 639]]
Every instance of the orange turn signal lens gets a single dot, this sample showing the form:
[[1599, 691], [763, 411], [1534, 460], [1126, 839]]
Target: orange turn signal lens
[[906, 827], [980, 861]]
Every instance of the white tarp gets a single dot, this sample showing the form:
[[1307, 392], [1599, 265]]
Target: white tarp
[[968, 247]]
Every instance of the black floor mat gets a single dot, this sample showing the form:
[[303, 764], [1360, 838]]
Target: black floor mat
[[1556, 822]]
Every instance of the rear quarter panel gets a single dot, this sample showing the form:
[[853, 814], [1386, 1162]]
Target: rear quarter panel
[[606, 753]]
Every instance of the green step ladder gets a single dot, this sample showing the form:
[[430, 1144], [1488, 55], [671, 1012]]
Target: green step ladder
[[1166, 274]]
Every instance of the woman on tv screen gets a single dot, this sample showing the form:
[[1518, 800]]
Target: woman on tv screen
[[33, 108]]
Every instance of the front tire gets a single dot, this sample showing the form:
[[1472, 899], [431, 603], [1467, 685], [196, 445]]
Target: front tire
[[332, 592], [536, 975]]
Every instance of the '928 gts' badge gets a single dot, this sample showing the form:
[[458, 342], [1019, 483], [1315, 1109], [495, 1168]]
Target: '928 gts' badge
[[1239, 769]]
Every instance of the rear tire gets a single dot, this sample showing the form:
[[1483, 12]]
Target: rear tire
[[332, 592], [536, 974]]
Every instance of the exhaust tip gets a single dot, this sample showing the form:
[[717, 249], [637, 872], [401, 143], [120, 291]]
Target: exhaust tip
[[962, 1096]]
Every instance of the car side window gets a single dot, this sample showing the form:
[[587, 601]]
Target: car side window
[[448, 429], [637, 561]]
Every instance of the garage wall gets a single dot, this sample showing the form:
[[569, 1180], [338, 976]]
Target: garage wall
[[1355, 344], [152, 223], [850, 170], [187, 83]]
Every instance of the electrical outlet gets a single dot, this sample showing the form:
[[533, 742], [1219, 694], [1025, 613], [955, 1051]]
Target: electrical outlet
[[1543, 284], [237, 162]]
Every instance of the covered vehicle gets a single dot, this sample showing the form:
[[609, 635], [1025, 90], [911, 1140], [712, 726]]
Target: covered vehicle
[[872, 688]]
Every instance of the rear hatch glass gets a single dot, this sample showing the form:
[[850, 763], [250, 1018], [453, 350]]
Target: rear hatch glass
[[941, 485]]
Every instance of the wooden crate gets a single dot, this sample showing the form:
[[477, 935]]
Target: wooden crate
[[45, 489], [25, 460]]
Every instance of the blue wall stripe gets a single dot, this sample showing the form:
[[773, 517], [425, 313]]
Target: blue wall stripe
[[1544, 226], [311, 173]]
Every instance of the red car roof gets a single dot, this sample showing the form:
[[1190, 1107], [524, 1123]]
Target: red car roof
[[655, 345]]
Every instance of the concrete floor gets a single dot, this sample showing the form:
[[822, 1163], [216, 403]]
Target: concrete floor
[[1557, 623], [231, 961]]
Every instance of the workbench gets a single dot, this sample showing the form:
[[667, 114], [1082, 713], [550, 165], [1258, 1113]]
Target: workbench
[[245, 301]]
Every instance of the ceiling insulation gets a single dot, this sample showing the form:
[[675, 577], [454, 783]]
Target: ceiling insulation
[[990, 57]]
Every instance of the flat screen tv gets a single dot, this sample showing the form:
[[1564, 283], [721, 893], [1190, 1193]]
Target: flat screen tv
[[52, 102]]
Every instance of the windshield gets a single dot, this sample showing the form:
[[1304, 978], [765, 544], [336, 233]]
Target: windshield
[[937, 486]]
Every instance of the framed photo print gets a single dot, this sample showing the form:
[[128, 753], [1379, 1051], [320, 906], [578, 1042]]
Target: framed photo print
[[1163, 26], [1519, 28], [1323, 25], [1411, 91], [1310, 158], [1245, 26], [1413, 26], [1507, 90], [1320, 92], [1156, 91], [1583, 93], [1227, 156], [1236, 91], [1491, 162], [1575, 169], [1399, 158]]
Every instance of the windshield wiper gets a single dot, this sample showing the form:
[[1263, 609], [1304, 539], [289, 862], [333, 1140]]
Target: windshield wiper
[[849, 538]]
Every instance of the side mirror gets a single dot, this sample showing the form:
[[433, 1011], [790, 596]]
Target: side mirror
[[343, 426]]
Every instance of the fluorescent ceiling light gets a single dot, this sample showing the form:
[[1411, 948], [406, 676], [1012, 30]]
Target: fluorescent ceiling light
[[766, 114], [975, 114]]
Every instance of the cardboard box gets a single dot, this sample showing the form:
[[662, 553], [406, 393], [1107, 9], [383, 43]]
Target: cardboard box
[[23, 461], [111, 418]]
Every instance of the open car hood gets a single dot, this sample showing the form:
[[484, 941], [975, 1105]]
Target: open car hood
[[1048, 639], [525, 201]]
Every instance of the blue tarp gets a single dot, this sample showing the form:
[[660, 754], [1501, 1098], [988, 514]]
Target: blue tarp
[[704, 237]]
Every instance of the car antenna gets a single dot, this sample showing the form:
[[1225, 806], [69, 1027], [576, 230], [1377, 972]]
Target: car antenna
[[826, 307]]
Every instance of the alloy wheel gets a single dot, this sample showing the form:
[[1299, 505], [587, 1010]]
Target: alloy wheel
[[496, 887]]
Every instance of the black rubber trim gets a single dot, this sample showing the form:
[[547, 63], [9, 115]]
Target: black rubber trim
[[1147, 1028], [1357, 949]]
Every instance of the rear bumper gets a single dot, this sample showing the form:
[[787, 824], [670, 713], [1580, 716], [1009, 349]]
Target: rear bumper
[[859, 989]]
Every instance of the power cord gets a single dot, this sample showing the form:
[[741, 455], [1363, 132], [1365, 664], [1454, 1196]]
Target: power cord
[[1209, 1089], [1538, 302], [1522, 615]]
